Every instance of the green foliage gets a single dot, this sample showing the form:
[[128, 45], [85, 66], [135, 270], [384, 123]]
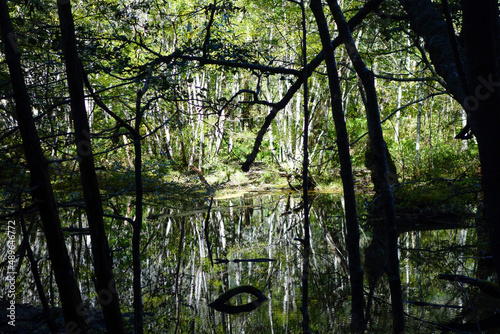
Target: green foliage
[[437, 196], [204, 101], [118, 41]]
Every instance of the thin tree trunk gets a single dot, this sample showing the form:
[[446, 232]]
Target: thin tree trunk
[[168, 143], [177, 277], [137, 222], [377, 141], [41, 189], [136, 237], [305, 194], [36, 277], [139, 195], [104, 283], [398, 106], [355, 269], [419, 127]]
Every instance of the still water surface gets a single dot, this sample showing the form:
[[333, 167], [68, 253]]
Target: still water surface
[[189, 258]]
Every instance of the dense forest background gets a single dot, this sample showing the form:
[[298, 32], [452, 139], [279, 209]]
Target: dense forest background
[[108, 107]]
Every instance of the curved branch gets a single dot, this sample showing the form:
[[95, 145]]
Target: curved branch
[[353, 22], [222, 303], [430, 25], [235, 64], [209, 25], [391, 265]]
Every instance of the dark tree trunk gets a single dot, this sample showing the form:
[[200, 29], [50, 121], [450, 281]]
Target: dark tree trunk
[[377, 141], [480, 31], [137, 222], [136, 238], [441, 44], [306, 241], [139, 194], [104, 283], [41, 189], [355, 269], [430, 25], [483, 107], [51, 323]]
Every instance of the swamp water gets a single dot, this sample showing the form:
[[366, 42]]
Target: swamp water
[[188, 261]]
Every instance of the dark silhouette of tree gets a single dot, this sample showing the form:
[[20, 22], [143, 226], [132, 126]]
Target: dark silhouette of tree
[[41, 189], [480, 29], [379, 149], [480, 96], [355, 270], [104, 283], [306, 240]]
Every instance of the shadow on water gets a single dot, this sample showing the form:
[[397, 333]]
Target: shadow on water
[[194, 256]]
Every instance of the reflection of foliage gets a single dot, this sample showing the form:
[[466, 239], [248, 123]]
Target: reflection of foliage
[[262, 232], [438, 195]]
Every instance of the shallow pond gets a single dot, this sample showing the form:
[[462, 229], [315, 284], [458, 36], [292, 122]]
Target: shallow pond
[[189, 258]]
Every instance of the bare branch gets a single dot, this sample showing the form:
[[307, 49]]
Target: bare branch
[[353, 22]]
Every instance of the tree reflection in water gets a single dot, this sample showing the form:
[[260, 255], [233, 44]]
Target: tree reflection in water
[[180, 282]]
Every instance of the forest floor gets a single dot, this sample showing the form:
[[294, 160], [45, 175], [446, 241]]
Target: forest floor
[[261, 179]]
